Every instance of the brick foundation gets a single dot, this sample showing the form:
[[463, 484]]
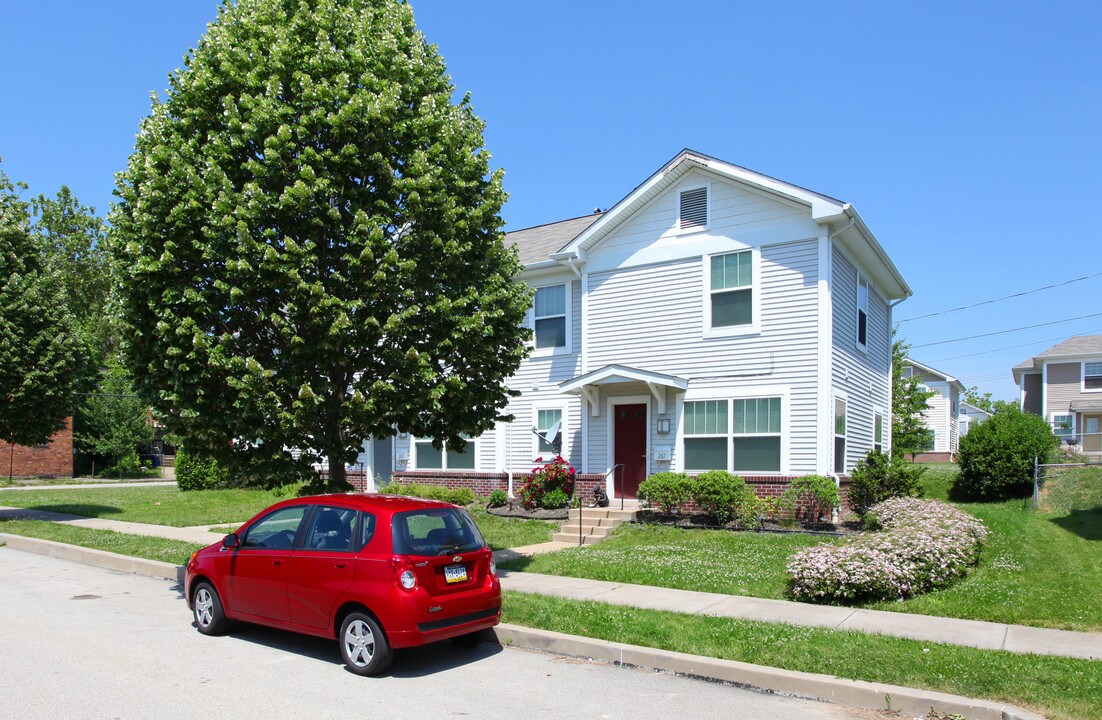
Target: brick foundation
[[934, 457], [55, 459]]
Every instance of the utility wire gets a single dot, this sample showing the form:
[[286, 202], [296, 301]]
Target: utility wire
[[1004, 332], [1012, 347], [1007, 297]]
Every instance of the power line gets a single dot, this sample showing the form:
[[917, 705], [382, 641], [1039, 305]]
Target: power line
[[1006, 297], [1004, 332], [1012, 347]]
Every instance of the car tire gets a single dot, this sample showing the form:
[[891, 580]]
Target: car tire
[[469, 640], [207, 609], [364, 647]]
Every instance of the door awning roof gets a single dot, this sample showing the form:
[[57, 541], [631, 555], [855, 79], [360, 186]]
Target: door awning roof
[[1087, 406], [587, 385]]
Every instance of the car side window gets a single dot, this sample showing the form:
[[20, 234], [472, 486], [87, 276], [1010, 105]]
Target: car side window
[[276, 530], [330, 529], [366, 530]]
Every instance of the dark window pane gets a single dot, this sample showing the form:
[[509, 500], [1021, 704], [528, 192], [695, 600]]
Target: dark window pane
[[862, 327], [551, 332], [732, 308], [1093, 383], [839, 454], [706, 453], [428, 457], [462, 460], [757, 454]]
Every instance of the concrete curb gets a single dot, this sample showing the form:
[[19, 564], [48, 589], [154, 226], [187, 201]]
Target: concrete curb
[[98, 558], [855, 693], [827, 688]]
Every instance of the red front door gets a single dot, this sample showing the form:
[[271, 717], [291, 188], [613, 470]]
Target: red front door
[[630, 447]]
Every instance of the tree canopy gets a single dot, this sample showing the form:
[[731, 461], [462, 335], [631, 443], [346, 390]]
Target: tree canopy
[[37, 347], [909, 433], [310, 243]]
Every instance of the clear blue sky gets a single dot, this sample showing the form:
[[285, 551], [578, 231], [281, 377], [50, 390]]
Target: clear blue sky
[[968, 135]]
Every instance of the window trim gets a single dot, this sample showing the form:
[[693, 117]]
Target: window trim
[[754, 327], [412, 462], [729, 395], [536, 452], [878, 414], [557, 349], [1071, 425], [1083, 376], [678, 230], [862, 346], [844, 399]]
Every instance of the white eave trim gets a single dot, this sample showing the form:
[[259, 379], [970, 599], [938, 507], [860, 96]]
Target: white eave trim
[[588, 385]]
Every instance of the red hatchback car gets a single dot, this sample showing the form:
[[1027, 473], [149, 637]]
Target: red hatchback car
[[376, 572]]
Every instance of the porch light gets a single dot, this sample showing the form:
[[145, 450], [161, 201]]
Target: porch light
[[663, 426]]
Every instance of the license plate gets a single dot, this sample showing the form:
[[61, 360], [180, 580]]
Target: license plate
[[455, 574]]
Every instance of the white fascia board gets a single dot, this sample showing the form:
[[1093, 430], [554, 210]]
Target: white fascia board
[[864, 245]]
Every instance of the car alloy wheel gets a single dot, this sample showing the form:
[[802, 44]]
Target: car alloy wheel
[[209, 618], [363, 645]]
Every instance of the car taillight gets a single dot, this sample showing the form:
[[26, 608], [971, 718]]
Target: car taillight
[[493, 563], [403, 572]]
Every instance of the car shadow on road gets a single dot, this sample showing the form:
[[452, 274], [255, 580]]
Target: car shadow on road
[[413, 662]]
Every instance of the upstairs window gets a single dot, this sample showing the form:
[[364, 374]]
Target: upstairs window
[[693, 209], [550, 316], [862, 313], [731, 289], [1092, 376]]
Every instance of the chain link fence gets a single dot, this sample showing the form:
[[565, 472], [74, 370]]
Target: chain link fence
[[1068, 485]]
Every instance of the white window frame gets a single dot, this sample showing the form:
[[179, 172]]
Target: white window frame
[[1071, 425], [412, 461], [1083, 376], [862, 346], [730, 394], [835, 466], [558, 349], [707, 209], [754, 327], [536, 451]]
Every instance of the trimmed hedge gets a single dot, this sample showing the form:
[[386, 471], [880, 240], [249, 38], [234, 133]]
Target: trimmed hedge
[[880, 477], [996, 456], [668, 490], [719, 494], [923, 545], [456, 496]]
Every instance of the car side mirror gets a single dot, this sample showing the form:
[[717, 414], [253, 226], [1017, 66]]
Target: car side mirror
[[231, 541]]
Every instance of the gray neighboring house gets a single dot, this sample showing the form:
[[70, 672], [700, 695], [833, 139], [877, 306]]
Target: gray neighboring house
[[715, 317], [1064, 386]]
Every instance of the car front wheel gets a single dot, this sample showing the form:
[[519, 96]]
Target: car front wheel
[[207, 608], [363, 646]]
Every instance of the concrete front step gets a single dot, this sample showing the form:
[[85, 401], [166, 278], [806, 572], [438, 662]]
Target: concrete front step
[[603, 513], [572, 538], [597, 524], [595, 531]]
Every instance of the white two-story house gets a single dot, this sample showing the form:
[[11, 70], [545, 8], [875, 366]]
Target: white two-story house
[[715, 317]]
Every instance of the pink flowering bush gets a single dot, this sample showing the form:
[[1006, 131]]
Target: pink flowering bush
[[922, 545], [556, 475]]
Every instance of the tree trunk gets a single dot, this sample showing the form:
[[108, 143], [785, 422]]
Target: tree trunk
[[338, 476]]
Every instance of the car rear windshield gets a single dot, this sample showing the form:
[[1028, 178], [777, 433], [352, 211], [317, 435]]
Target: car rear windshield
[[435, 531]]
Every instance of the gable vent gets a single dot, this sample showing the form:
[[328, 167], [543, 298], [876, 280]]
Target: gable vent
[[694, 208]]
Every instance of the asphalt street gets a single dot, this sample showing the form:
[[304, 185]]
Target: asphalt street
[[82, 642]]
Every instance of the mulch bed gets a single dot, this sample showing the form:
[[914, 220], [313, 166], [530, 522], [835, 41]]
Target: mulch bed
[[697, 521], [512, 510]]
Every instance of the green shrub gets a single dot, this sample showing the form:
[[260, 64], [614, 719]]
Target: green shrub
[[818, 493], [555, 499], [194, 473], [498, 498], [879, 477], [456, 496], [668, 490], [996, 456], [719, 494]]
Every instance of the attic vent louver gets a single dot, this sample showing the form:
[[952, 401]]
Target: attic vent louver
[[694, 208]]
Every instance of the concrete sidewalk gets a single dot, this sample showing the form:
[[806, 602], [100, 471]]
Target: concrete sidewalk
[[970, 633]]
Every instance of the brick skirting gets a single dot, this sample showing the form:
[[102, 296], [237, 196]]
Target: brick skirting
[[934, 457], [52, 460]]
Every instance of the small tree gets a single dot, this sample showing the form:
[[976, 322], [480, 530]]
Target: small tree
[[996, 456], [909, 434], [115, 422], [37, 348], [879, 477]]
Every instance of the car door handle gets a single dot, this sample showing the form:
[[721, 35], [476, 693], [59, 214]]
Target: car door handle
[[340, 565], [277, 562]]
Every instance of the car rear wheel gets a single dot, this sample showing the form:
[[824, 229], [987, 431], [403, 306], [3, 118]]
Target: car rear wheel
[[207, 608], [363, 645]]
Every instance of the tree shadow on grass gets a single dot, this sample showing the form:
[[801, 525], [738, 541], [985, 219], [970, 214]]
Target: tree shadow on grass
[[65, 510], [1087, 524]]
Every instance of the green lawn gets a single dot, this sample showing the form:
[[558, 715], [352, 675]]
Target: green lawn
[[1039, 568], [501, 533], [150, 548], [162, 505], [1062, 688]]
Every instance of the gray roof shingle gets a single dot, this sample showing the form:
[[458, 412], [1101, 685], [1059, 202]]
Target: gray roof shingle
[[535, 244], [1081, 345]]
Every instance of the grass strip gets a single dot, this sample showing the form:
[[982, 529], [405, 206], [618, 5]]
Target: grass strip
[[501, 532], [1062, 688], [151, 548]]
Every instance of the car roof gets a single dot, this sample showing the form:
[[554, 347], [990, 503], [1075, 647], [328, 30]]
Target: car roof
[[376, 502]]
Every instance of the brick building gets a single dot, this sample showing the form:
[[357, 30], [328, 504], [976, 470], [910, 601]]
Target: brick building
[[54, 459]]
